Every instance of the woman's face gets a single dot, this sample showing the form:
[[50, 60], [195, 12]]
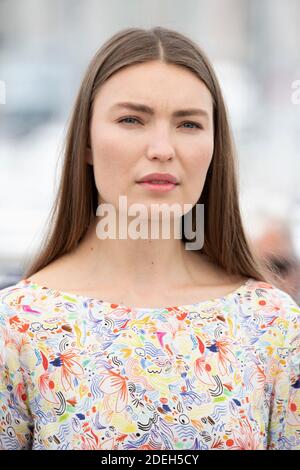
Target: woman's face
[[124, 152]]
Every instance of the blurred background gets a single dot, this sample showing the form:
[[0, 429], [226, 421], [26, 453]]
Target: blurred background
[[254, 45]]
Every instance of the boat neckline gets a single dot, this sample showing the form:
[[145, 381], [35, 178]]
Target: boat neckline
[[28, 283]]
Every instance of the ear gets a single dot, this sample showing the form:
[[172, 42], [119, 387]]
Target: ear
[[89, 155]]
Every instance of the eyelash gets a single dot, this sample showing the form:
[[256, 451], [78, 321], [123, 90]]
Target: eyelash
[[186, 122]]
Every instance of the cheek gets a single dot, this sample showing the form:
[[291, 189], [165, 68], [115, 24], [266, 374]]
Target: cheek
[[200, 158], [110, 159], [197, 165], [113, 164]]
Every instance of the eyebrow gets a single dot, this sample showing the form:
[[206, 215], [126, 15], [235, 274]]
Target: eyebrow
[[142, 108]]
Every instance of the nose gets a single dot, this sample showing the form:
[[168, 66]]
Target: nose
[[160, 153], [161, 149]]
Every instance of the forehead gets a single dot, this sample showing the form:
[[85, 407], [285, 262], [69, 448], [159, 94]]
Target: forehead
[[161, 86]]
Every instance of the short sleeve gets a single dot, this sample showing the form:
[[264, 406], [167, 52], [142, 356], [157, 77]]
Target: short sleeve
[[284, 425], [16, 423]]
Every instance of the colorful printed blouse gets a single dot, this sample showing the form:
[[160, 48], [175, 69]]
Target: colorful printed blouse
[[82, 373]]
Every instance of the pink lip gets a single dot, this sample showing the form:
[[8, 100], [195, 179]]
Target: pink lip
[[167, 177], [158, 187]]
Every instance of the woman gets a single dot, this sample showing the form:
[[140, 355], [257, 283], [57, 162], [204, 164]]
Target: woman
[[141, 343]]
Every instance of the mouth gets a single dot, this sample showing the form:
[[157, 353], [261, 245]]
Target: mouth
[[160, 186]]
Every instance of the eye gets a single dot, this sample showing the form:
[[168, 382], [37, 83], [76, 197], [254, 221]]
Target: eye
[[198, 126], [193, 123], [128, 117]]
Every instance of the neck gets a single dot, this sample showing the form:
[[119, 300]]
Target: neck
[[141, 262]]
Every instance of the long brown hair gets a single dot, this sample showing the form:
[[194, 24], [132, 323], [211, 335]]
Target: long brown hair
[[76, 200]]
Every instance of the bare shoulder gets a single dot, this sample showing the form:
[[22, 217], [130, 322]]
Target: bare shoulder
[[55, 274], [215, 276]]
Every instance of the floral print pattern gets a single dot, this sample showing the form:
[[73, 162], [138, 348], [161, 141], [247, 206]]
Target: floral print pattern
[[82, 373]]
